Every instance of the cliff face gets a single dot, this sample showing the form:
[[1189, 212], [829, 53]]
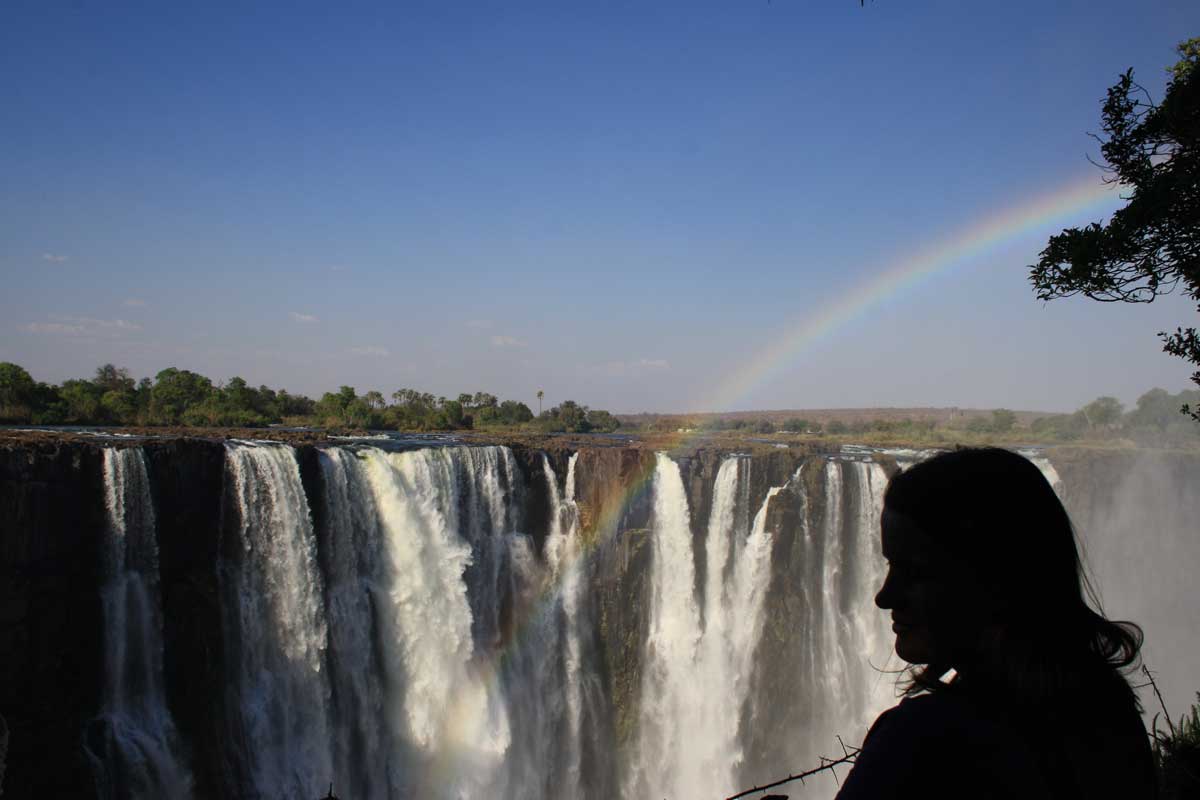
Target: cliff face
[[52, 521], [51, 511]]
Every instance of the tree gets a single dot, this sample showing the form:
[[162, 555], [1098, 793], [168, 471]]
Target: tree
[[176, 390], [83, 400], [16, 392], [573, 416], [979, 425], [113, 379], [513, 412], [1003, 420], [1155, 409], [1103, 412], [602, 421], [1152, 245]]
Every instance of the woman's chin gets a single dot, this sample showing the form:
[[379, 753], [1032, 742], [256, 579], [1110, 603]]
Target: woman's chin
[[911, 647]]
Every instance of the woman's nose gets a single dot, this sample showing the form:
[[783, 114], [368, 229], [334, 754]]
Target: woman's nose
[[885, 598]]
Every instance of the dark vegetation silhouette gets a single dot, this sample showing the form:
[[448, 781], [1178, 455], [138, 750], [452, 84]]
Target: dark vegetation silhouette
[[1152, 245], [1177, 749], [182, 397]]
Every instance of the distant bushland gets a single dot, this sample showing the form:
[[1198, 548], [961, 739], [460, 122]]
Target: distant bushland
[[1154, 421], [181, 397]]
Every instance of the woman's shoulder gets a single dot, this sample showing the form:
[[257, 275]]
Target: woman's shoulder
[[932, 713], [942, 745]]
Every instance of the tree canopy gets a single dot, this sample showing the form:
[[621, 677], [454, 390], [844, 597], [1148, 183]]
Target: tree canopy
[[1152, 245], [181, 397]]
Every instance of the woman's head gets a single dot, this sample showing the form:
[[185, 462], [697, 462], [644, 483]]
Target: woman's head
[[983, 567]]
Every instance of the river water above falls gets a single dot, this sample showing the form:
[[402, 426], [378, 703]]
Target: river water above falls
[[461, 621]]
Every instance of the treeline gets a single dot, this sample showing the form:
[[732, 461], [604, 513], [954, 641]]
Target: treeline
[[181, 397], [1156, 419]]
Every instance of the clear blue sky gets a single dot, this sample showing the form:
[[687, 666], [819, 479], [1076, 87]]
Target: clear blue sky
[[616, 202]]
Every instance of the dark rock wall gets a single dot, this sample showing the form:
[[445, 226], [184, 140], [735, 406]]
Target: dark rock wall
[[51, 515], [52, 518]]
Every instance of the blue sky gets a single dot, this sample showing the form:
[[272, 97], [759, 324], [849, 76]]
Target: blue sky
[[618, 203]]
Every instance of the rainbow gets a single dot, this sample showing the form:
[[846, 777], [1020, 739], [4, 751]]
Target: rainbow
[[1059, 206]]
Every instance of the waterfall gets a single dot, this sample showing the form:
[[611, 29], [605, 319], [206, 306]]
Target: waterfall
[[366, 762], [669, 700], [563, 555], [411, 639], [699, 656], [855, 644], [276, 629], [446, 711], [871, 639], [1048, 470], [133, 745]]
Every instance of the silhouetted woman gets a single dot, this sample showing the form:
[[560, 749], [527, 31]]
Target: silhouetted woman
[[984, 579]]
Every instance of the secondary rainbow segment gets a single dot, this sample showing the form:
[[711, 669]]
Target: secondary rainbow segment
[[1059, 206]]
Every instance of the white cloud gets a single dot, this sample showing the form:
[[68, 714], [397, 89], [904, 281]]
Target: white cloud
[[134, 302], [54, 257], [83, 326], [338, 268], [507, 341], [640, 366], [371, 350], [479, 323], [305, 318], [652, 363], [54, 328]]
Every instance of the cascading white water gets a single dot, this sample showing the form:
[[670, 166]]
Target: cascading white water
[[873, 687], [367, 764], [415, 641], [669, 699], [1048, 470], [563, 558], [276, 626], [447, 712], [697, 676], [133, 744]]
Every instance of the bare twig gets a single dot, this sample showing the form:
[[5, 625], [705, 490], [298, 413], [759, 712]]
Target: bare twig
[[849, 754], [1150, 677]]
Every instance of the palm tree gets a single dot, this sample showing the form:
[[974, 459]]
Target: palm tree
[[541, 394]]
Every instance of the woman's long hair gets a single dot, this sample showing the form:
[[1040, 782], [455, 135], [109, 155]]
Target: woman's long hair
[[995, 511]]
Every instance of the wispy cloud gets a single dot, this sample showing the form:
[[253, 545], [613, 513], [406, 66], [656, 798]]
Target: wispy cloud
[[507, 341], [54, 257], [639, 366], [338, 268], [83, 326], [371, 350], [652, 363], [59, 328], [304, 318], [479, 323], [134, 302]]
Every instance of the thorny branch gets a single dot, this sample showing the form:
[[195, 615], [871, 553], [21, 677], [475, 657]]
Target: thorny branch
[[1150, 677], [848, 756]]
